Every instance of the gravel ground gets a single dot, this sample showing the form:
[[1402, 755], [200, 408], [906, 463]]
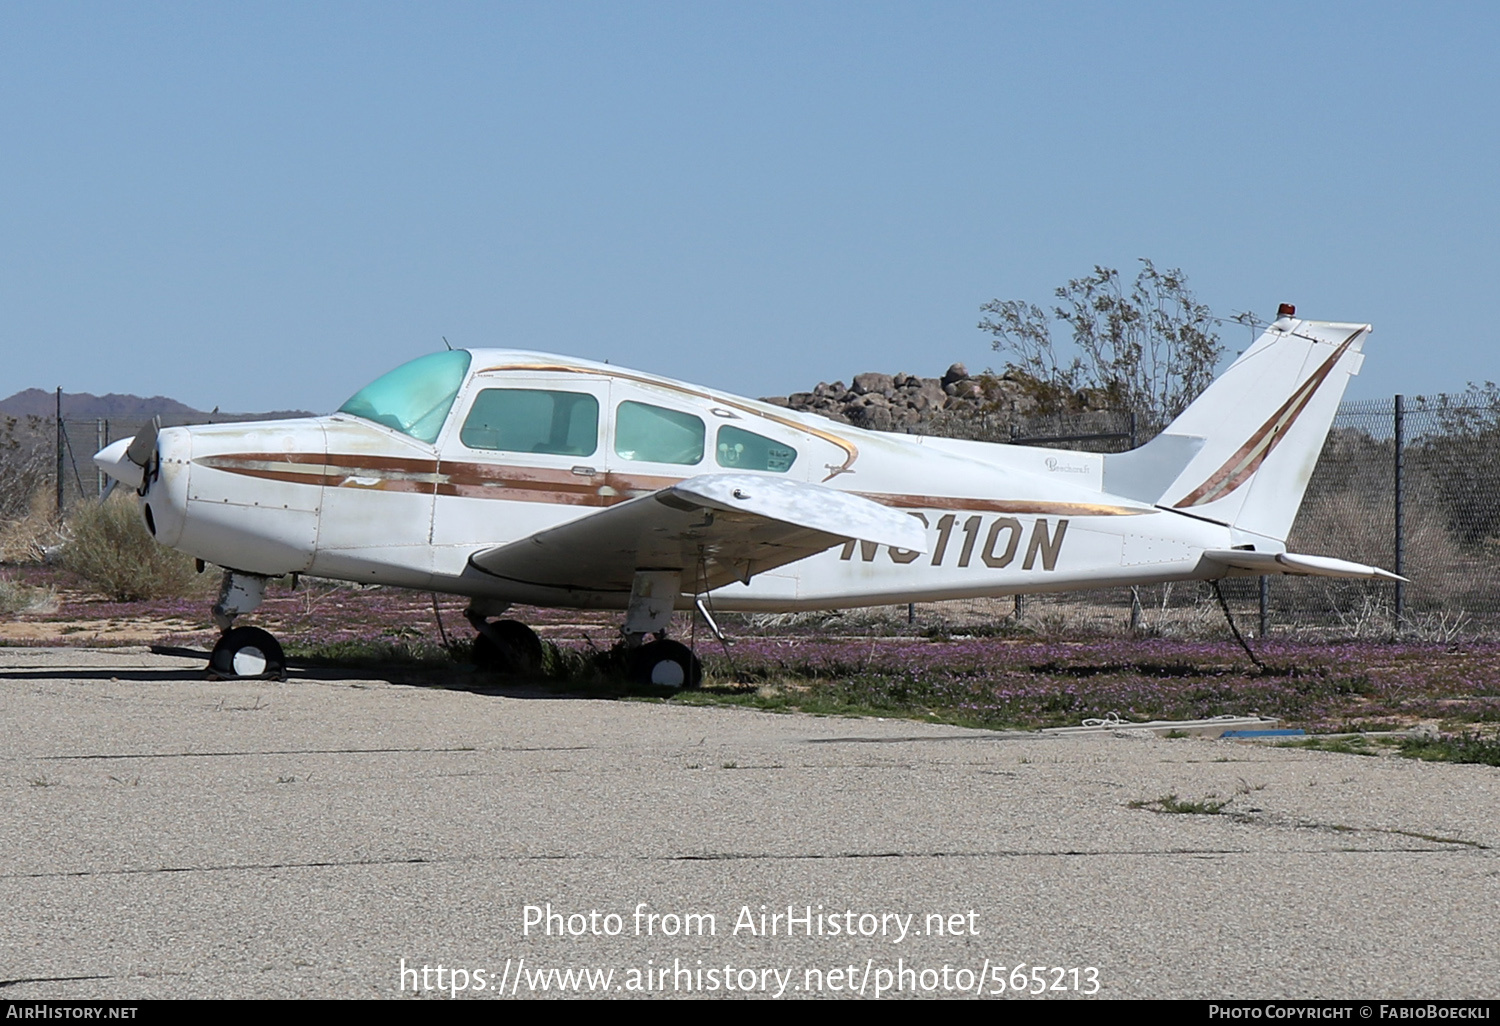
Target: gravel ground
[[166, 836]]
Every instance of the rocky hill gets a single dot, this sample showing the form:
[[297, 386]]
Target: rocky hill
[[126, 409], [905, 402], [991, 407]]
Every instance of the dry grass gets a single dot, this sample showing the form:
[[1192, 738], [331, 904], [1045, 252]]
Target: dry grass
[[109, 547], [27, 538], [16, 597]]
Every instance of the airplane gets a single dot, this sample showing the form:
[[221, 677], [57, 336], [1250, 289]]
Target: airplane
[[515, 477]]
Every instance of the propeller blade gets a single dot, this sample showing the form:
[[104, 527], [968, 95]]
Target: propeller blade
[[144, 444]]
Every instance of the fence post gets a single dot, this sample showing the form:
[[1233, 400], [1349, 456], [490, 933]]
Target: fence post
[[60, 477], [1400, 510], [99, 443], [1265, 605], [1135, 592]]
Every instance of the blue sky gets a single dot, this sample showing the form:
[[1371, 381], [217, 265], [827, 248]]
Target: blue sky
[[260, 205]]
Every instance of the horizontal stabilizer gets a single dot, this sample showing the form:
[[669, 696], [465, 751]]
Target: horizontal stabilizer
[[1293, 563], [715, 529]]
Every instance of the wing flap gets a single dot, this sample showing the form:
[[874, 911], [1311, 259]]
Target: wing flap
[[715, 529], [1295, 563]]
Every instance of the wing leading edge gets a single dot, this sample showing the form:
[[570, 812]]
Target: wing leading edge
[[714, 529]]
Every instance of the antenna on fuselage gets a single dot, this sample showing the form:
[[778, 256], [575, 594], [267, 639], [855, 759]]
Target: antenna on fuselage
[[446, 342]]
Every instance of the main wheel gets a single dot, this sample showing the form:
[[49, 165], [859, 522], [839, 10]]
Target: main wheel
[[667, 663], [509, 647], [247, 653]]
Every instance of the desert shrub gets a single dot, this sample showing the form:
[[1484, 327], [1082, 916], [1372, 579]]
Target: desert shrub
[[29, 537], [27, 462], [109, 547], [17, 597]]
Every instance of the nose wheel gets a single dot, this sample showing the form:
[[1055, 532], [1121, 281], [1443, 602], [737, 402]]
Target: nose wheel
[[247, 653]]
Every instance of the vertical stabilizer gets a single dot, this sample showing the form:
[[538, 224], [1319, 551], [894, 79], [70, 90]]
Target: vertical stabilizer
[[1243, 452]]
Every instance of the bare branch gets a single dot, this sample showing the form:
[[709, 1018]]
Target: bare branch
[[1149, 347]]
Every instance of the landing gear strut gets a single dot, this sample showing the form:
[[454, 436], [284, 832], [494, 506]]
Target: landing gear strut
[[243, 653], [653, 596]]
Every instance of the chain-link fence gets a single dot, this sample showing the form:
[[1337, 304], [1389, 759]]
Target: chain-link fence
[[1412, 486], [46, 469]]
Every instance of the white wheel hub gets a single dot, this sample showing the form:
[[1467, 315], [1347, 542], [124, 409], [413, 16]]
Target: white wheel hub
[[249, 662], [668, 672]]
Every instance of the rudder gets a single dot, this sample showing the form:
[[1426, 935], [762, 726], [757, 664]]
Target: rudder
[[1243, 451]]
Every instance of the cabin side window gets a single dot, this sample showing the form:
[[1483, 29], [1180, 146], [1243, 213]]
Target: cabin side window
[[533, 420], [654, 434], [745, 450]]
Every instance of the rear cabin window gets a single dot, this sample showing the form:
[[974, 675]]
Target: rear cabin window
[[654, 434], [745, 450], [533, 420]]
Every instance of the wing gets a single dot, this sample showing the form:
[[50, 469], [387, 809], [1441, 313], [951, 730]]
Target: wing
[[1293, 563], [714, 529]]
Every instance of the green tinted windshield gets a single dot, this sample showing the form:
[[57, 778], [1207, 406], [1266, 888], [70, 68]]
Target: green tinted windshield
[[415, 397]]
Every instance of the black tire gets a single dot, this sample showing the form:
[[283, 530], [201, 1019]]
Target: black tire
[[247, 653], [665, 663], [509, 647]]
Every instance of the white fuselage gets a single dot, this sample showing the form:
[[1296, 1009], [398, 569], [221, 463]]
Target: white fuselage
[[347, 498]]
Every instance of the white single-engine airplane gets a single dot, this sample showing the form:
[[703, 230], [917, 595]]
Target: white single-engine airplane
[[516, 477]]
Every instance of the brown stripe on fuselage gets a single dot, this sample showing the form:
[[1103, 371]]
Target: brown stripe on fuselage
[[371, 472], [565, 488], [1036, 507], [545, 484], [315, 479], [1246, 460]]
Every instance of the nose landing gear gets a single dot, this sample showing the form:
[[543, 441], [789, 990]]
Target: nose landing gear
[[243, 653], [247, 653]]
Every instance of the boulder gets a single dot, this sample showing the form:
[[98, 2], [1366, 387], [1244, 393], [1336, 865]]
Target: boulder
[[872, 382]]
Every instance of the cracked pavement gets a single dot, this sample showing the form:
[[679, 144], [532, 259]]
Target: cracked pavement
[[166, 836]]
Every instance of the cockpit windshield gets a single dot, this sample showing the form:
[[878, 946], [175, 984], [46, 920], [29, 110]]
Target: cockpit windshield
[[415, 397]]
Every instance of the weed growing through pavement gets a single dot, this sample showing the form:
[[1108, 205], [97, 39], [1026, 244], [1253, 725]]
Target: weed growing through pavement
[[1209, 806], [1467, 748]]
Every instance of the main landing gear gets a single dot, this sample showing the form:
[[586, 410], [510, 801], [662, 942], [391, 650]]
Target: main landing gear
[[653, 597], [243, 653], [664, 662], [506, 647], [503, 646], [645, 653]]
